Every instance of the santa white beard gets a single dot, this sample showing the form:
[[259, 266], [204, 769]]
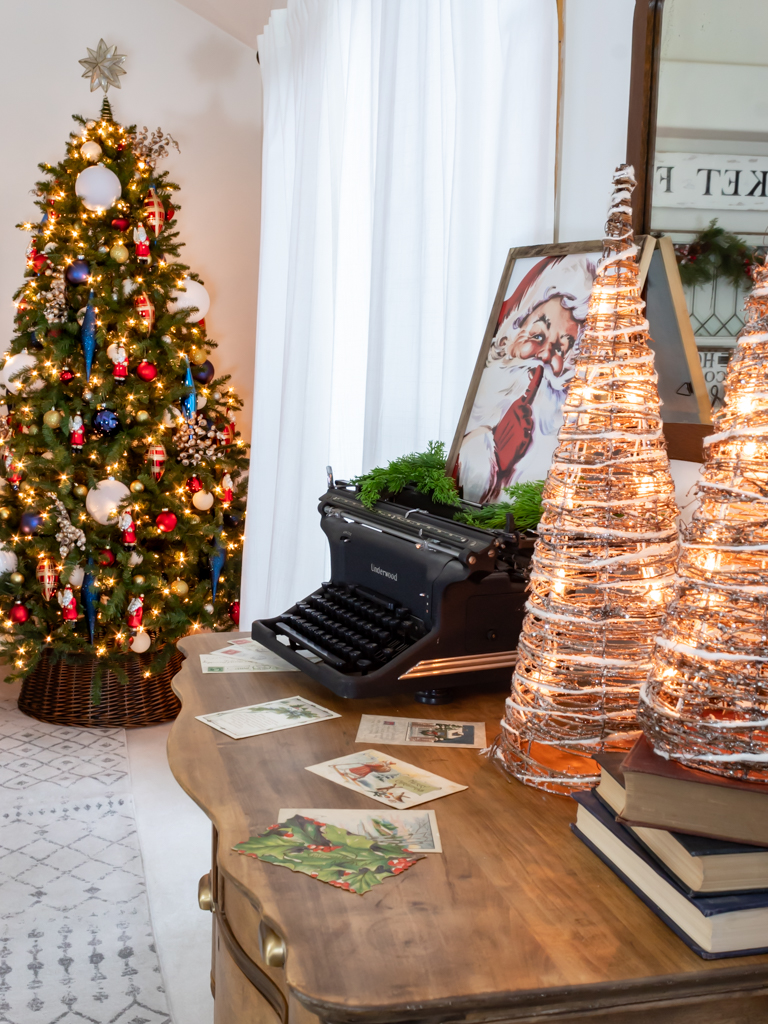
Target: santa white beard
[[479, 476]]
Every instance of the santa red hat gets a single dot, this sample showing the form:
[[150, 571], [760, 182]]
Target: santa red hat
[[569, 278]]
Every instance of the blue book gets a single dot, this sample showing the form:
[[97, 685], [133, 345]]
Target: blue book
[[702, 865], [713, 926]]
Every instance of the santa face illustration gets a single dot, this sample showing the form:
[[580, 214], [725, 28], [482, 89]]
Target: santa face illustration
[[512, 430]]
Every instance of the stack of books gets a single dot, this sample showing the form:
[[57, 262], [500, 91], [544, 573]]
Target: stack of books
[[692, 846]]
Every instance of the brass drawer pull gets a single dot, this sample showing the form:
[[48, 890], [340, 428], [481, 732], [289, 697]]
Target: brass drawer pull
[[204, 893], [271, 947]]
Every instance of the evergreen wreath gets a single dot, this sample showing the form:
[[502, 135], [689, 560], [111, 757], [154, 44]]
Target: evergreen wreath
[[715, 252]]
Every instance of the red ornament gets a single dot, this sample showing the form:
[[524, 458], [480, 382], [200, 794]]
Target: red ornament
[[47, 577], [234, 612], [201, 323], [194, 484], [66, 375], [145, 370], [154, 214], [166, 521], [120, 223], [156, 457], [106, 557], [39, 260], [145, 310], [19, 612]]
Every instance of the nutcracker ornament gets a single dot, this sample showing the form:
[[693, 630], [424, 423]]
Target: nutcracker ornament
[[12, 472], [76, 432], [127, 529], [154, 214], [227, 488], [145, 310], [68, 604], [135, 612], [141, 241], [228, 430], [119, 357], [156, 457], [47, 577]]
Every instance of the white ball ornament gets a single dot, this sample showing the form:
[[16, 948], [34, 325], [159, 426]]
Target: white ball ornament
[[194, 294], [141, 642], [136, 558], [101, 501], [209, 608], [8, 560], [202, 401], [98, 187], [202, 500], [90, 151], [77, 576]]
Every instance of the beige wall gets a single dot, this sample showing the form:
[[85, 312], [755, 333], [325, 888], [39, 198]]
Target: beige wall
[[183, 73]]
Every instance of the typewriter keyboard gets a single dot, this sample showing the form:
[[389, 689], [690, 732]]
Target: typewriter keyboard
[[351, 628]]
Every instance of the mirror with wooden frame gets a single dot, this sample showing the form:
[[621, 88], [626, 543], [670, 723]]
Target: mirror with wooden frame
[[698, 138]]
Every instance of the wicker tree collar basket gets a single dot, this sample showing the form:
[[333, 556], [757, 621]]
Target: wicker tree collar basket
[[59, 692]]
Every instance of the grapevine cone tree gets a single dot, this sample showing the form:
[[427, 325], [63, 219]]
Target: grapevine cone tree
[[604, 562], [706, 701], [121, 513]]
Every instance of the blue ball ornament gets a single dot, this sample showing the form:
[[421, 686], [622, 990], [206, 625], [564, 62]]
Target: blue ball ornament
[[204, 373], [106, 422], [77, 272], [30, 523]]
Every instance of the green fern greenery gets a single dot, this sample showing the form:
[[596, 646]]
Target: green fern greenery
[[524, 504], [423, 470]]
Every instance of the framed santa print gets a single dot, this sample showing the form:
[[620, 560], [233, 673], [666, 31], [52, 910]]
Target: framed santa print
[[507, 431]]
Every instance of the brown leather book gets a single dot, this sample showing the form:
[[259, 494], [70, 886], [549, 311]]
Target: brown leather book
[[664, 794]]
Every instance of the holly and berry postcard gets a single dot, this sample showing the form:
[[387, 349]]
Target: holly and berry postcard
[[330, 854]]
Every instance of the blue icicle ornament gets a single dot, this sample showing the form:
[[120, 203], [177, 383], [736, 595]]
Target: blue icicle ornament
[[189, 402], [216, 560], [88, 336], [90, 601]]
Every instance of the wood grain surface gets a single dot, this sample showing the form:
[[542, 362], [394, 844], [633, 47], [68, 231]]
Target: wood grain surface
[[515, 915]]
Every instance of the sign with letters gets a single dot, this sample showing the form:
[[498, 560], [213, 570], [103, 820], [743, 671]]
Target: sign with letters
[[711, 181]]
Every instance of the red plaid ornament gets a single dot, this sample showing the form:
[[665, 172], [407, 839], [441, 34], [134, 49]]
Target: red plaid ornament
[[156, 456], [154, 214], [47, 577], [145, 310]]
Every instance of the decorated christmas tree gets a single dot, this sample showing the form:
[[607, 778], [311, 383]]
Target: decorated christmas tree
[[603, 565], [706, 702], [121, 511]]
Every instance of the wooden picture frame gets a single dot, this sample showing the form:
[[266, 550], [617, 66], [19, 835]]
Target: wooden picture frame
[[681, 380], [505, 292]]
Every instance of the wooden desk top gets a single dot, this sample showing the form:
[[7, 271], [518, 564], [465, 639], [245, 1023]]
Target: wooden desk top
[[517, 913]]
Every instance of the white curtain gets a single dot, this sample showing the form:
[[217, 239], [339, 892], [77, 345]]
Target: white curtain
[[408, 144]]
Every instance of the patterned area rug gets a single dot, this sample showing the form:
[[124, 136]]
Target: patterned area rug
[[47, 760], [76, 939]]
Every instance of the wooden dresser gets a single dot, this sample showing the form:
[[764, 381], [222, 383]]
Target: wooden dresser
[[515, 921]]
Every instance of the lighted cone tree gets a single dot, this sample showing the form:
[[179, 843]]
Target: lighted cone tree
[[121, 513], [603, 565], [706, 702]]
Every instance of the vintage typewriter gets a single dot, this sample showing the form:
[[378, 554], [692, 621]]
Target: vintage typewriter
[[415, 601]]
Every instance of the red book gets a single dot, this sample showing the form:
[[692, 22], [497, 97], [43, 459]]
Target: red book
[[661, 793]]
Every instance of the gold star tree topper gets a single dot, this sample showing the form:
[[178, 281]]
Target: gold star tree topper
[[102, 66]]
